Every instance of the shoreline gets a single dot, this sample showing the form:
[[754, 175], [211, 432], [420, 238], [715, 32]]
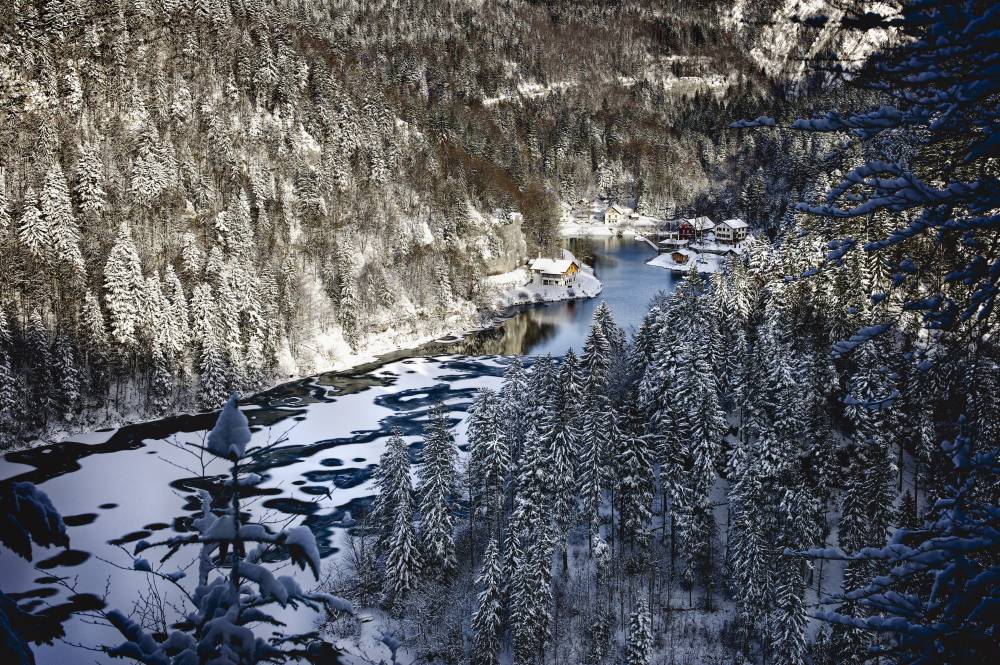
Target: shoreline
[[366, 361]]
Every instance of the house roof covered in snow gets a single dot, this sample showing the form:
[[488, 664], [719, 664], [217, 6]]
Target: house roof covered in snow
[[617, 207], [735, 223], [701, 223], [551, 266]]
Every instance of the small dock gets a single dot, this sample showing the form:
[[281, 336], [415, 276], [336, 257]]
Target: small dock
[[646, 240]]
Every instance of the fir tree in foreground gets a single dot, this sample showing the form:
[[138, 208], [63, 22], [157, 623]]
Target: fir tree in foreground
[[436, 489], [487, 622], [640, 637], [235, 587]]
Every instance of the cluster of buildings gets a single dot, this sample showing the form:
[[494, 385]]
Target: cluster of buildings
[[681, 242], [685, 238]]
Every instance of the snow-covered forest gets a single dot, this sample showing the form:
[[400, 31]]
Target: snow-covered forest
[[792, 461], [205, 196]]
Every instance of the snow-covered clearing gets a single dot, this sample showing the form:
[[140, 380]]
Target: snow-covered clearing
[[530, 91]]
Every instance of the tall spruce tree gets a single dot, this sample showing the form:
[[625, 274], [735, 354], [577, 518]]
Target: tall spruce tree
[[487, 621], [437, 489], [640, 637]]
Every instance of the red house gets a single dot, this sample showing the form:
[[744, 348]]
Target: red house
[[695, 228]]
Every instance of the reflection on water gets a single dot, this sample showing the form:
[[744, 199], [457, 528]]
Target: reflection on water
[[629, 285], [121, 487]]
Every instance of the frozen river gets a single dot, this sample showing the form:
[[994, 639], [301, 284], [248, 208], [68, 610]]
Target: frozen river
[[117, 487]]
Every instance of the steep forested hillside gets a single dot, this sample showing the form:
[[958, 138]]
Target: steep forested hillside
[[212, 193]]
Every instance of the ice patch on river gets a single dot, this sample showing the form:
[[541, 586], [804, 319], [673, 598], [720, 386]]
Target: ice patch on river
[[141, 481]]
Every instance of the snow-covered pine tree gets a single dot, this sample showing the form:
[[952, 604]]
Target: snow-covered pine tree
[[5, 211], [514, 394], [635, 480], [640, 637], [489, 458], [40, 367], [66, 391], [8, 400], [402, 559], [176, 318], [487, 621], [604, 318], [33, 229], [63, 228], [392, 482], [124, 287], [530, 615], [153, 170], [751, 538], [89, 189], [437, 488], [596, 418], [562, 455], [213, 370]]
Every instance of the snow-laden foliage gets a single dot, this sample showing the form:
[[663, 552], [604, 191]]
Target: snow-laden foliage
[[436, 488], [226, 605], [29, 517], [939, 594], [940, 82], [231, 434]]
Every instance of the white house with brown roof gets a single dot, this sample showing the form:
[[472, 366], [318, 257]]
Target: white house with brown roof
[[731, 230], [553, 272]]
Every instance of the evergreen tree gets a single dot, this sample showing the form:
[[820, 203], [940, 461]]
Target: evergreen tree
[[9, 425], [213, 371], [90, 182], [38, 359], [489, 459], [640, 637], [5, 212], [392, 480], [562, 455], [59, 219], [124, 288], [436, 488], [402, 563], [597, 416], [514, 392], [34, 230], [66, 374], [635, 482], [487, 621]]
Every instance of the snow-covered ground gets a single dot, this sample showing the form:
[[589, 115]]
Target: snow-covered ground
[[714, 247], [530, 91], [515, 287]]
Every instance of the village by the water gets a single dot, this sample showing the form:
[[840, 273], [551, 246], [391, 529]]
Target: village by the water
[[682, 244]]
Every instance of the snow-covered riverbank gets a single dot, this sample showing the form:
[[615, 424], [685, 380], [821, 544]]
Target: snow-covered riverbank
[[331, 352]]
